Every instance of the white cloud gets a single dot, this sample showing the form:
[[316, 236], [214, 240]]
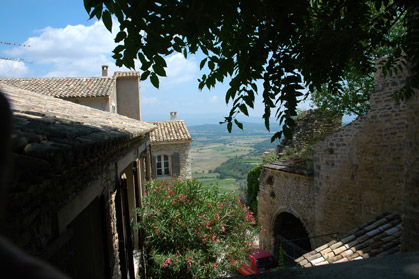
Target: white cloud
[[148, 101], [77, 50], [179, 69], [80, 50], [12, 68], [213, 99]]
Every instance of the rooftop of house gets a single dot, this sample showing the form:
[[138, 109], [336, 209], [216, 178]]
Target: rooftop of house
[[57, 132], [397, 266], [378, 237], [70, 87], [170, 132]]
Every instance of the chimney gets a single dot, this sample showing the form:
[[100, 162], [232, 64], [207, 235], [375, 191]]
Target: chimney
[[105, 70], [173, 116]]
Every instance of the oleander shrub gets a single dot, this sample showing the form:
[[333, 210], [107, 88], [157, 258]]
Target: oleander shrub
[[194, 231]]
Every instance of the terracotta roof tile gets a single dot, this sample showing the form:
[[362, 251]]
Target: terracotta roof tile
[[131, 74], [169, 132], [377, 237], [65, 87]]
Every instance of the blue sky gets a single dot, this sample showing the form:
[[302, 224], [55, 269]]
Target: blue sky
[[65, 43]]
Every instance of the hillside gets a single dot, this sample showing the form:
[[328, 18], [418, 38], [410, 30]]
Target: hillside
[[222, 158]]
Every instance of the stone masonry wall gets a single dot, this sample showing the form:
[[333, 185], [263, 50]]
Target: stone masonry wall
[[184, 158], [37, 193], [359, 170], [279, 192], [410, 233], [312, 126]]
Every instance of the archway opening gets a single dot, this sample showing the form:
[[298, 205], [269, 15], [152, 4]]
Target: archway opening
[[291, 238]]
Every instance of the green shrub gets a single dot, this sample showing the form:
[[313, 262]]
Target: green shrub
[[194, 232], [253, 187]]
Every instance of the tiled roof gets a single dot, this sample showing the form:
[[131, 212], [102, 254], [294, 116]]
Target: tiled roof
[[126, 74], [377, 237], [65, 87], [170, 131], [60, 132]]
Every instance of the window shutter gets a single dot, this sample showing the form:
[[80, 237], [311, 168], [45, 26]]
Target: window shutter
[[176, 164], [153, 167]]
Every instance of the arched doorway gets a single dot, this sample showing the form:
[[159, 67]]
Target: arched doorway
[[291, 238]]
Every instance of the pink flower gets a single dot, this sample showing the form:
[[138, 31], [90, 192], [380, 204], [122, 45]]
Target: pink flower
[[168, 261], [214, 266], [217, 216], [223, 229]]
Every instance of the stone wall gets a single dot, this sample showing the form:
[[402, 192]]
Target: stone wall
[[364, 169], [182, 151], [100, 103], [359, 170], [283, 191], [44, 199], [312, 126], [410, 233]]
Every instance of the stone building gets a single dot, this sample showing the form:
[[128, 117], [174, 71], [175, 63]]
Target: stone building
[[366, 168], [121, 94], [75, 177], [286, 187], [170, 148], [118, 94]]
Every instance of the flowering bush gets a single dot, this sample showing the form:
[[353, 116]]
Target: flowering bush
[[194, 232]]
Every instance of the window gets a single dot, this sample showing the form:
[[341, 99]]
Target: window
[[163, 168]]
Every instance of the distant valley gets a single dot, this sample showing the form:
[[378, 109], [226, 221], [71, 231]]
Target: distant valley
[[223, 159]]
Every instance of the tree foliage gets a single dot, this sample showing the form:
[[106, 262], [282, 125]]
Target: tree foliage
[[353, 93], [288, 45], [253, 187], [194, 232]]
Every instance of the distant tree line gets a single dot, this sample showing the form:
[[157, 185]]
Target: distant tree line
[[262, 146], [235, 167]]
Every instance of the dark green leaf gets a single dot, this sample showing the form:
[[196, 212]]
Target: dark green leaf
[[120, 36], [202, 64], [211, 65], [229, 126], [287, 132], [160, 60], [159, 70], [154, 80], [145, 75], [118, 49], [243, 109], [107, 20], [239, 124]]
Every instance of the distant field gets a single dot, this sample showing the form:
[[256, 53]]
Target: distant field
[[212, 146], [207, 155]]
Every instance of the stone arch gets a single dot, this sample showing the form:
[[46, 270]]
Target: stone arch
[[289, 232]]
